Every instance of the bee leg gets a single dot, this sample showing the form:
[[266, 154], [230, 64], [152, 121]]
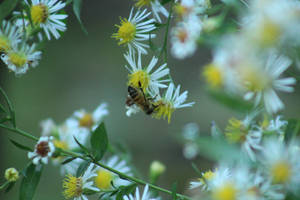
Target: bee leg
[[129, 101]]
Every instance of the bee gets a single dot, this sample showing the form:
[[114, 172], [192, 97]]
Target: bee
[[137, 96]]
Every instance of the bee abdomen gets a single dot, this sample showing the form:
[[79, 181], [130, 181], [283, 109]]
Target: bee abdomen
[[132, 92]]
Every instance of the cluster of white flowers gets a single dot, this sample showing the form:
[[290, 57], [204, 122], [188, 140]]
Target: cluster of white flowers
[[18, 47], [147, 81]]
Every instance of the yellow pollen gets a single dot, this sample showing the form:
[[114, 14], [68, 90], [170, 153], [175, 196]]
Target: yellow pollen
[[86, 120], [18, 59], [226, 192], [4, 44], [213, 76], [268, 33], [103, 179], [139, 77], [141, 3], [281, 172], [207, 176], [39, 13], [235, 131], [72, 186], [126, 32], [61, 144], [163, 109]]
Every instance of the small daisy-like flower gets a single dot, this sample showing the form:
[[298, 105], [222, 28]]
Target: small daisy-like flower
[[155, 6], [75, 187], [43, 150], [104, 178], [9, 36], [48, 127], [203, 182], [146, 195], [134, 30], [184, 38], [44, 14], [19, 59], [172, 100], [145, 77], [11, 175], [85, 120], [261, 82], [282, 163]]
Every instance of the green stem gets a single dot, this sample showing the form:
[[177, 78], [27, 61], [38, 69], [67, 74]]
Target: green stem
[[10, 107], [4, 185], [20, 132]]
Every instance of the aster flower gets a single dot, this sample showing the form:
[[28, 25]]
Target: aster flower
[[134, 30], [172, 100], [146, 195], [156, 7], [44, 14], [203, 182], [9, 36], [104, 178], [282, 163], [146, 77], [21, 57], [43, 150], [75, 187], [261, 82]]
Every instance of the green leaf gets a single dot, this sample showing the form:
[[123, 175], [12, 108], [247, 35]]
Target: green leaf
[[86, 150], [163, 2], [292, 129], [2, 109], [82, 167], [68, 160], [99, 142], [10, 186], [126, 190], [6, 8], [20, 146], [30, 181], [77, 10], [231, 101]]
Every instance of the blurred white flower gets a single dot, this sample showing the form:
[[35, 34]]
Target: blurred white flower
[[43, 150]]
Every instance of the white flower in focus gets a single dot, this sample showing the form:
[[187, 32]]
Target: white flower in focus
[[75, 187], [20, 58], [146, 77], [44, 13], [43, 150], [134, 30], [171, 101], [156, 7], [104, 178], [145, 195], [9, 36]]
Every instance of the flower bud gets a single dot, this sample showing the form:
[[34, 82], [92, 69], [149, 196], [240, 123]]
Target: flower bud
[[156, 169], [11, 174]]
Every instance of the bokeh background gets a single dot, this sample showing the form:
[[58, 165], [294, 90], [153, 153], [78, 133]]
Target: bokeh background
[[79, 71]]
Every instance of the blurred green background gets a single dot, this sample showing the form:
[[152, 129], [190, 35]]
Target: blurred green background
[[79, 71]]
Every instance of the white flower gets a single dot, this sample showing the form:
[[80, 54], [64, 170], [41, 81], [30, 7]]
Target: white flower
[[44, 14], [155, 6], [277, 125], [282, 163], [70, 167], [42, 151], [75, 187], [134, 30], [145, 196], [133, 109], [262, 81], [171, 101], [147, 78], [9, 36], [104, 178], [20, 58], [48, 126]]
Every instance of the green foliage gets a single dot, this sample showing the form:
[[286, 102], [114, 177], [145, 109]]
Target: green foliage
[[6, 8], [20, 146], [66, 161], [30, 181], [125, 190], [82, 147], [174, 191], [82, 167], [77, 4], [99, 142], [292, 129], [10, 186]]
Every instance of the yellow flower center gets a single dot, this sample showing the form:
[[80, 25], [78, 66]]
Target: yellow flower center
[[268, 33], [207, 176], [213, 76], [236, 131], [103, 179], [86, 120], [139, 77], [61, 144], [72, 186], [18, 59], [39, 13], [141, 3], [126, 32], [225, 192], [4, 44], [255, 80], [163, 109], [11, 174], [281, 172]]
